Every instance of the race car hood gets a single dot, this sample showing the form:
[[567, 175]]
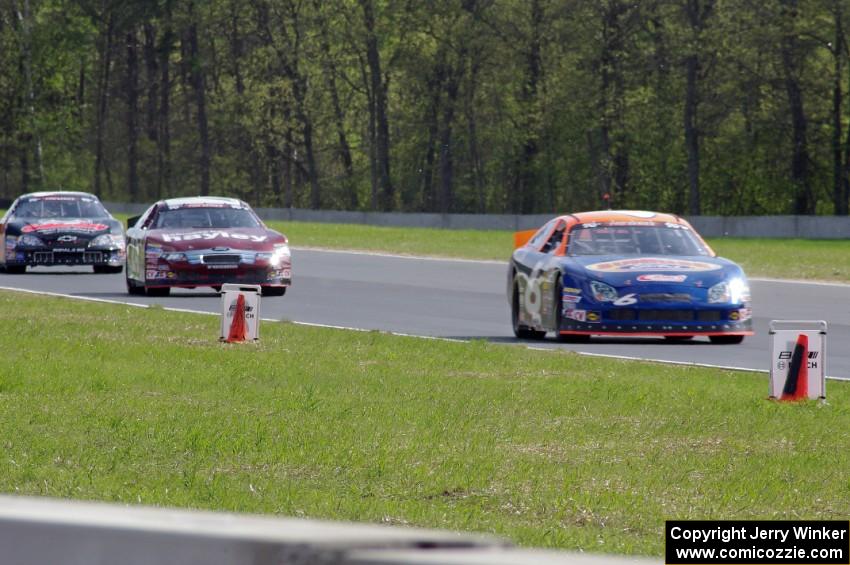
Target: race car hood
[[619, 271], [249, 239], [49, 230]]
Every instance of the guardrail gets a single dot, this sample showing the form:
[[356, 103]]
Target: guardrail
[[803, 227], [49, 531]]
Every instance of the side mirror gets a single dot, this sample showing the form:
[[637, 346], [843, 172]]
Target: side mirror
[[132, 221]]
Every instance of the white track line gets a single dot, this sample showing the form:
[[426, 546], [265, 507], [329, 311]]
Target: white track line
[[800, 281], [399, 334], [505, 263], [399, 256]]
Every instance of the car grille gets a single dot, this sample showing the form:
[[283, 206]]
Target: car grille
[[220, 258], [665, 297], [677, 315], [59, 258]]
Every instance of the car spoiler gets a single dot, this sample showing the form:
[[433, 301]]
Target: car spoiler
[[522, 237]]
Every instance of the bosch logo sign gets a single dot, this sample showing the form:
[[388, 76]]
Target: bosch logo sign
[[786, 356], [797, 359]]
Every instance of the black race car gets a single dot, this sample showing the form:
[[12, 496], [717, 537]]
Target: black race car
[[60, 228]]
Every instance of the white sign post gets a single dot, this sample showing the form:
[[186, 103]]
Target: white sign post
[[229, 298], [785, 335]]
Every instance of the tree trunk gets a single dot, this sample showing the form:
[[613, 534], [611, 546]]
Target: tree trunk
[[614, 161], [152, 77], [273, 158], [132, 92], [846, 177], [373, 145], [840, 196], [288, 148], [236, 48], [446, 140], [26, 22], [429, 195], [527, 179], [692, 135], [697, 13], [163, 185], [803, 201], [472, 132], [343, 149], [379, 99], [199, 85], [102, 100]]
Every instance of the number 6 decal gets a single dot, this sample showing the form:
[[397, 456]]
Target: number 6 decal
[[626, 300]]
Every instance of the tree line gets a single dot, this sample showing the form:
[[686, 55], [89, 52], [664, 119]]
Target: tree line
[[478, 106]]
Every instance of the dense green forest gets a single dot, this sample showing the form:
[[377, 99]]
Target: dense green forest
[[519, 106]]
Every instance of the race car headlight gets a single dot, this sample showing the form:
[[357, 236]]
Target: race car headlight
[[734, 291], [27, 240], [108, 240], [280, 255], [174, 257], [603, 292]]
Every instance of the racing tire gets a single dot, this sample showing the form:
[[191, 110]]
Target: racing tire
[[559, 313], [158, 291], [15, 269], [134, 288], [107, 269], [521, 331], [726, 339], [274, 290]]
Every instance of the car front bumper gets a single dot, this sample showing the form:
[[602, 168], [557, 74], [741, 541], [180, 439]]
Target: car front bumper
[[188, 275], [51, 258], [726, 320]]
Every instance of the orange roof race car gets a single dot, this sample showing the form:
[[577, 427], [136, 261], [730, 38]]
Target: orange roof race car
[[626, 273]]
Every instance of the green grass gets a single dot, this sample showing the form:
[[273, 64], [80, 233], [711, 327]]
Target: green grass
[[549, 449], [827, 260], [466, 244]]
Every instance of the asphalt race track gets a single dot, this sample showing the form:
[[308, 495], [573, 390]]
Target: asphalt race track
[[466, 300]]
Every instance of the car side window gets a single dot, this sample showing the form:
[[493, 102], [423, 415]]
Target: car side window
[[147, 218], [537, 239], [554, 240]]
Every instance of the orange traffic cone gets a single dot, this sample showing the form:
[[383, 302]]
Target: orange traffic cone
[[797, 384], [238, 327]]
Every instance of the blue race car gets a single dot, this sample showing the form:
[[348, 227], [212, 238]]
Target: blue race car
[[625, 273]]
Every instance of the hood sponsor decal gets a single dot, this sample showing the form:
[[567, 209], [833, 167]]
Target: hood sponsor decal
[[209, 235], [55, 227], [662, 278], [651, 264]]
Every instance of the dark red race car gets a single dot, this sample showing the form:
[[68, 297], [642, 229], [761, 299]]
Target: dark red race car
[[204, 241]]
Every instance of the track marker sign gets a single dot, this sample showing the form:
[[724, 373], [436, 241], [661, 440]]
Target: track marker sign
[[240, 312], [797, 359]]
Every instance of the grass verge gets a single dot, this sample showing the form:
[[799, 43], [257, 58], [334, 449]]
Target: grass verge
[[827, 260], [549, 449]]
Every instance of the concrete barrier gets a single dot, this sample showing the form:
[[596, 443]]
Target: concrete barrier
[[802, 227], [47, 531]]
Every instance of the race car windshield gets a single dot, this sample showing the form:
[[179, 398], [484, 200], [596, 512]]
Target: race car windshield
[[634, 240], [60, 207], [219, 217]]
